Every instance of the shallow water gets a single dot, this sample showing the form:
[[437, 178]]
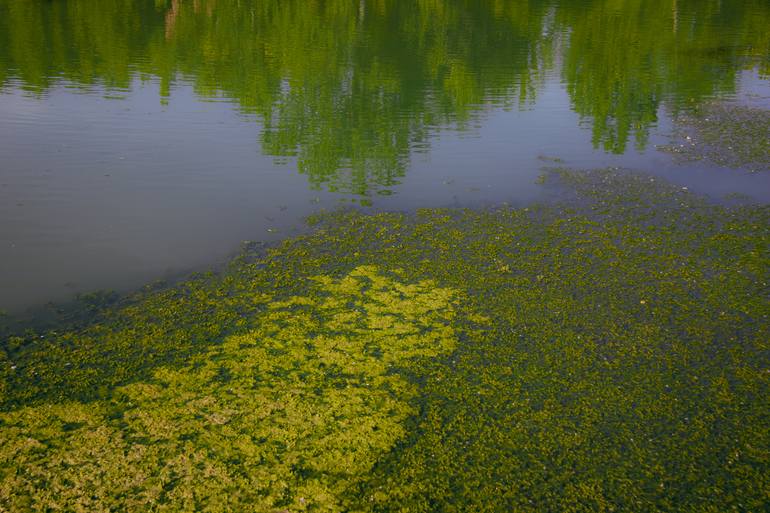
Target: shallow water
[[140, 139]]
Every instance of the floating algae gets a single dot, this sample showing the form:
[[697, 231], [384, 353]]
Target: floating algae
[[285, 416], [607, 353], [729, 135]]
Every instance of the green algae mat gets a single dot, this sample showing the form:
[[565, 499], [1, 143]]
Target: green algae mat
[[609, 351], [728, 134]]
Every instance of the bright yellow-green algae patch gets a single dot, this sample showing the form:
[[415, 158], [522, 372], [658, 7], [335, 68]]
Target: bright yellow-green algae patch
[[285, 417], [623, 366]]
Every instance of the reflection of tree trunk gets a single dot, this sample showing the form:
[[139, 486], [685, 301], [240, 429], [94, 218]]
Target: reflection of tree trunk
[[361, 10], [171, 18], [675, 12]]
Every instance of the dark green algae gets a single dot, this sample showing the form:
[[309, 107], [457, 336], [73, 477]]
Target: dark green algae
[[727, 134], [608, 352]]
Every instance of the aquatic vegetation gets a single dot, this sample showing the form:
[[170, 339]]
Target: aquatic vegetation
[[607, 352], [125, 342], [726, 134], [286, 416]]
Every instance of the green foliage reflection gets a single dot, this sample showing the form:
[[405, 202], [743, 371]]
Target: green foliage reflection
[[350, 88], [625, 57]]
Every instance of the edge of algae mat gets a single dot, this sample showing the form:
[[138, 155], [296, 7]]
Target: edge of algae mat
[[607, 353], [727, 134]]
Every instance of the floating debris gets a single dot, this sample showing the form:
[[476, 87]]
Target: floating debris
[[727, 134]]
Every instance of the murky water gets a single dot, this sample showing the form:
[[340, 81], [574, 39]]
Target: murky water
[[140, 139]]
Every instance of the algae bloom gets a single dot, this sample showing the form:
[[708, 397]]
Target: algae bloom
[[607, 352], [287, 416]]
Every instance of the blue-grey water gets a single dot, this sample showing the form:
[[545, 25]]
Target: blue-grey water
[[143, 140]]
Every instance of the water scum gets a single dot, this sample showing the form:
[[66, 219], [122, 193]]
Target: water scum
[[727, 134], [606, 353]]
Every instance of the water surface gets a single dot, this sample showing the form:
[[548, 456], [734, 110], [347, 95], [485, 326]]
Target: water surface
[[140, 139]]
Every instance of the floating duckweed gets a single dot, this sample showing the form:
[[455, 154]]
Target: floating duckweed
[[308, 406]]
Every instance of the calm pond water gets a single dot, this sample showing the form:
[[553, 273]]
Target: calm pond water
[[144, 138]]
